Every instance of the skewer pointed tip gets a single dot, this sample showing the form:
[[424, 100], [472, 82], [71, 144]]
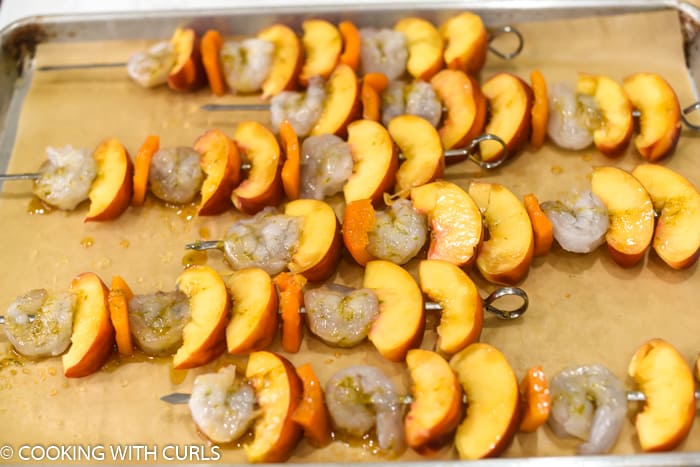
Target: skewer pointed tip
[[176, 398]]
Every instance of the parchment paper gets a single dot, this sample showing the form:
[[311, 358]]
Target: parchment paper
[[584, 308]]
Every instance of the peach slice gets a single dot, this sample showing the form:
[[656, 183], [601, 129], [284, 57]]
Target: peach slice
[[616, 129], [437, 400], [466, 43], [425, 47], [677, 234], [399, 326], [631, 214], [110, 193], [188, 72], [660, 121], [375, 158], [667, 381], [319, 250], [358, 222], [263, 187], [286, 60], [420, 145], [322, 46], [254, 316], [510, 102], [493, 398], [506, 256], [465, 104], [203, 336], [342, 103], [221, 164], [93, 335], [455, 222], [462, 308], [278, 391]]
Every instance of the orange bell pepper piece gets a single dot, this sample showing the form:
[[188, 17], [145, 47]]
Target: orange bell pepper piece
[[209, 47], [541, 226], [291, 299], [311, 413], [540, 109], [535, 399], [358, 221], [118, 298], [372, 86], [142, 165], [351, 44], [290, 169]]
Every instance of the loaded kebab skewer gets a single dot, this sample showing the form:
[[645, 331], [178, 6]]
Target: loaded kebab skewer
[[588, 402], [207, 314]]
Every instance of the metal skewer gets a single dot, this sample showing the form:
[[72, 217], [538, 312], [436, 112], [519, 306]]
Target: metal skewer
[[177, 398], [80, 66], [24, 176]]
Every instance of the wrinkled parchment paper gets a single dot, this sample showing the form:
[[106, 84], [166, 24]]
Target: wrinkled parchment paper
[[584, 308]]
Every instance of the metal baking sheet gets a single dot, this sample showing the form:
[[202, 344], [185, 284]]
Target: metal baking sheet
[[17, 75]]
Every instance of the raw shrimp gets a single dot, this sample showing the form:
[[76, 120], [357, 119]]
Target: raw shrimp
[[578, 226], [222, 407], [359, 397], [340, 315], [399, 233], [417, 98], [383, 51], [66, 177], [572, 117], [48, 334], [151, 68], [590, 403], [422, 101], [175, 175], [246, 64], [301, 109], [156, 321], [267, 240], [326, 165], [393, 103]]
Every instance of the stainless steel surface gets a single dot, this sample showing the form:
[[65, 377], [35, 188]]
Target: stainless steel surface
[[16, 73]]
